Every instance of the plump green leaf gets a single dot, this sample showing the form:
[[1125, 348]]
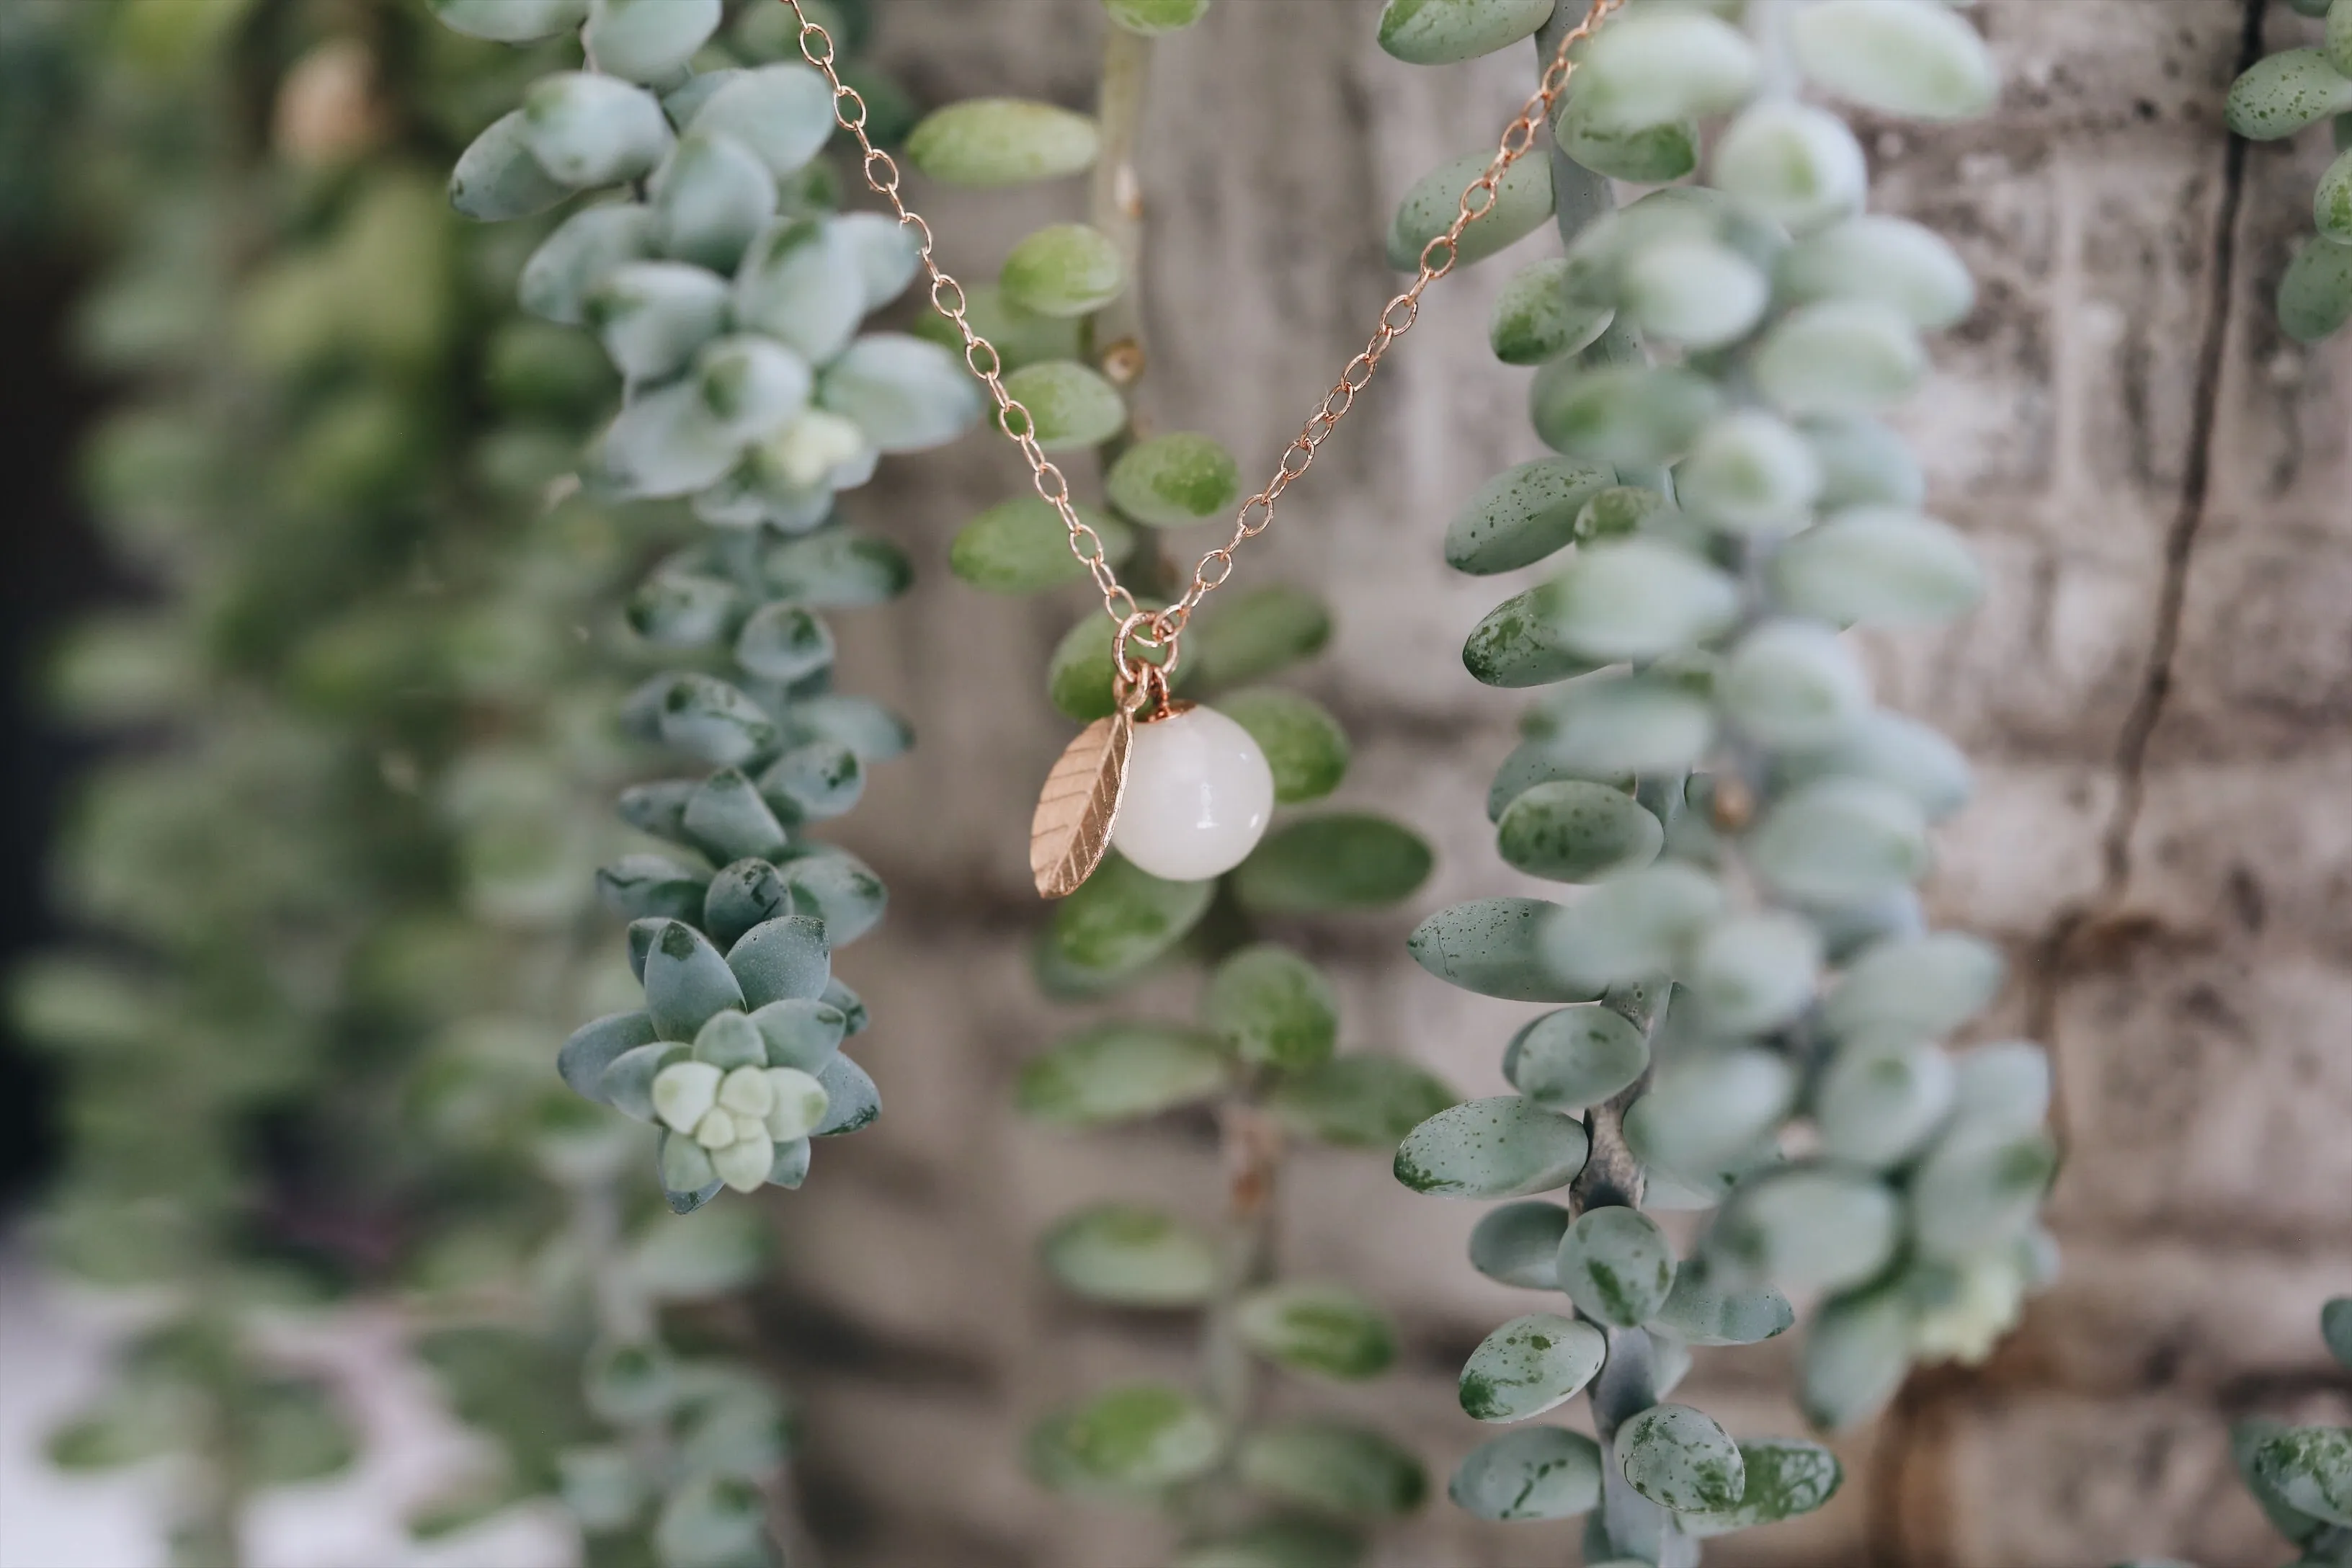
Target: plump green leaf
[[1839, 356], [1063, 270], [1900, 752], [2003, 1086], [1633, 928], [1857, 1349], [1798, 165], [1500, 947], [1704, 1312], [1325, 1330], [591, 130], [1680, 1460], [653, 315], [800, 283], [1332, 1468], [577, 257], [787, 958], [1637, 599], [1663, 65], [686, 981], [1863, 463], [1360, 1102], [1750, 474], [1903, 991], [496, 178], [1627, 416], [1792, 684], [1520, 644], [1530, 1365], [986, 141], [1577, 831], [858, 724], [2315, 296], [1898, 57], [1519, 1244], [783, 643], [1347, 860], [2331, 202], [639, 887], [2284, 93], [1540, 1472], [1119, 1071], [1840, 841], [1648, 155], [1173, 481], [1575, 1057], [1130, 1257], [1303, 745], [1523, 201], [1616, 726], [1257, 634], [1272, 1008], [1891, 260], [1704, 1111], [1753, 972], [1503, 1147], [1131, 1439], [648, 41], [593, 1048], [711, 197], [1806, 1228], [851, 1100], [1522, 515], [1534, 320], [1617, 1266], [1120, 921], [782, 113], [1878, 1104], [1880, 566], [1978, 1186], [2336, 1329], [837, 569], [905, 393], [1021, 546], [1785, 1478], [1443, 32], [1070, 405]]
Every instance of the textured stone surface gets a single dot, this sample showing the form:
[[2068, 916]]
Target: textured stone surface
[[2155, 696]]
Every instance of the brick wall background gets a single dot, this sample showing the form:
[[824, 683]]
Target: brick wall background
[[2154, 694]]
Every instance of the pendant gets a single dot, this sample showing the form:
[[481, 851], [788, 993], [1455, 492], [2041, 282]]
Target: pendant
[[1183, 792]]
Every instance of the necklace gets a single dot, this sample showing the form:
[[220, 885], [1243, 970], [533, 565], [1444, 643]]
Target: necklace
[[1179, 789]]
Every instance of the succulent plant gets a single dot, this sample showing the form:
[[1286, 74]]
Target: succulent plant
[[1749, 1011], [2292, 90]]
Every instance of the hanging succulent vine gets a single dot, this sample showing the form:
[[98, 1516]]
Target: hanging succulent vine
[[1066, 314], [1753, 1004], [729, 296], [2292, 90]]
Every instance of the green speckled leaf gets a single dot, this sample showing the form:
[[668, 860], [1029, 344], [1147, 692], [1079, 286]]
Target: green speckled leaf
[[1680, 1460], [1617, 1266], [1174, 480], [1327, 1331], [1272, 1008], [1575, 1057], [1130, 1257], [1577, 831], [1119, 1071], [986, 141], [1121, 919], [1303, 744], [1530, 1365], [1360, 1102], [1502, 1147], [1332, 1468], [1542, 1472], [1342, 862], [1785, 1478]]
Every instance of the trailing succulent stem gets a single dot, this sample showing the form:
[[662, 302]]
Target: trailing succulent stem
[[1066, 316], [2292, 90], [1753, 1006]]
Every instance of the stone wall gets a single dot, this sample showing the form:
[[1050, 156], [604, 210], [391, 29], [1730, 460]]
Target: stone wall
[[2156, 694]]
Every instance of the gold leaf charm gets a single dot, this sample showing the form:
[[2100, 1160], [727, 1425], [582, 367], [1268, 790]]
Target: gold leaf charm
[[1071, 831]]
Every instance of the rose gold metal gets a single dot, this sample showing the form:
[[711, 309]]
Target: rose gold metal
[[1161, 627], [1070, 832]]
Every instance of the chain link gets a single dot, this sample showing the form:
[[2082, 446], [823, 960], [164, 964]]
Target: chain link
[[1159, 628]]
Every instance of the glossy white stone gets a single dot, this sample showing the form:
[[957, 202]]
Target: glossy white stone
[[1199, 795]]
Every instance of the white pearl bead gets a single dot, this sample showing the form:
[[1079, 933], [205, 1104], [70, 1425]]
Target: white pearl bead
[[1199, 795]]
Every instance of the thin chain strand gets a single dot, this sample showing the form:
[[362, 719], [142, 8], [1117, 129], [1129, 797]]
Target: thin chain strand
[[1159, 628]]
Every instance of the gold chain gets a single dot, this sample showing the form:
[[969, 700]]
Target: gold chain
[[1159, 628]]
